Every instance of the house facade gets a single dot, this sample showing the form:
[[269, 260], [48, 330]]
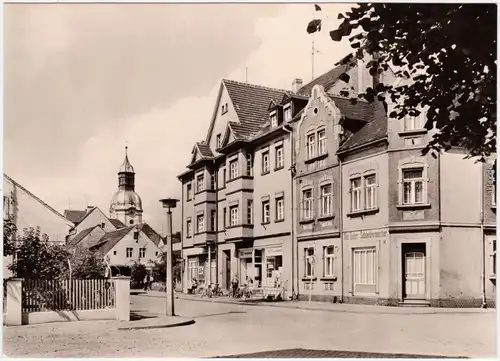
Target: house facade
[[367, 217]]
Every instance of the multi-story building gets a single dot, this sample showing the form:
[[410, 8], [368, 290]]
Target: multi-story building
[[367, 218]]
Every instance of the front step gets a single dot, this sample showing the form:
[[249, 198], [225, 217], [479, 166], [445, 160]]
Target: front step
[[415, 303]]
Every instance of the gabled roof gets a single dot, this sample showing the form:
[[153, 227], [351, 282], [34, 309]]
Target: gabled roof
[[326, 80], [68, 221], [203, 149], [80, 236], [291, 95], [74, 216], [151, 234], [251, 103], [373, 114], [117, 223]]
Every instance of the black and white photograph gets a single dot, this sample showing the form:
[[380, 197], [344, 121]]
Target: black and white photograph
[[249, 180]]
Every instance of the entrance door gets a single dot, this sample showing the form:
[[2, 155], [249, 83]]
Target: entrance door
[[227, 269], [414, 271]]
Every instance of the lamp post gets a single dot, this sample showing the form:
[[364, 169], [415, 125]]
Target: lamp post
[[168, 204]]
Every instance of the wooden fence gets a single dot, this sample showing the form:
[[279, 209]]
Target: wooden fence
[[70, 295]]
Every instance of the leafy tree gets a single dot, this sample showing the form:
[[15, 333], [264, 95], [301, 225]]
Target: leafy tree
[[86, 264], [137, 273], [160, 268], [9, 231], [447, 54], [36, 258]]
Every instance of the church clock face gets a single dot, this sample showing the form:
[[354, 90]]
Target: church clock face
[[131, 212]]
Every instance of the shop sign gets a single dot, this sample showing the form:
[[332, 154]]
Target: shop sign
[[352, 236], [245, 253], [275, 251]]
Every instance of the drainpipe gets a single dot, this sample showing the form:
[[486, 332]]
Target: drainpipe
[[289, 129], [483, 243], [182, 241], [341, 229], [216, 245]]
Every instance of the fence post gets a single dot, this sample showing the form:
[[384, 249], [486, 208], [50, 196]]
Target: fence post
[[122, 298], [14, 314]]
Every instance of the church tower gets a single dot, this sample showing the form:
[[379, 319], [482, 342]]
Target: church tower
[[126, 205]]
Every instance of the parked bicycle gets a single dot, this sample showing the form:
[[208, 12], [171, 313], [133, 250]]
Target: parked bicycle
[[207, 291]]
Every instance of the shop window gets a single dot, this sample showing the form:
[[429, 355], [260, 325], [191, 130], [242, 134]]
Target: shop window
[[192, 269], [309, 262], [328, 259], [365, 270]]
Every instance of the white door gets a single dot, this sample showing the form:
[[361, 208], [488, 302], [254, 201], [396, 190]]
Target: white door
[[415, 275]]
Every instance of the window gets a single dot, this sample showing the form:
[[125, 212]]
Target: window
[[328, 259], [142, 252], [274, 120], [156, 253], [188, 228], [233, 169], [212, 180], [326, 200], [192, 269], [307, 204], [266, 212], [309, 262], [224, 177], [287, 113], [494, 257], [131, 221], [265, 162], [129, 252], [355, 194], [233, 213], [249, 165], [224, 108], [103, 225], [279, 157], [212, 220], [413, 186], [114, 253], [370, 191], [414, 123], [136, 235], [200, 183], [413, 141], [322, 142], [219, 141], [280, 209], [224, 216], [200, 223], [311, 146], [249, 211], [365, 266]]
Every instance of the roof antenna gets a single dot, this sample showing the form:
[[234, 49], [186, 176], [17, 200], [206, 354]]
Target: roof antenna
[[313, 48], [246, 75]]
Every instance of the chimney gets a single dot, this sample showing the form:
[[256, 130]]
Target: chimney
[[296, 84]]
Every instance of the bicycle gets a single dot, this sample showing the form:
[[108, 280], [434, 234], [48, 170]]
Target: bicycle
[[207, 291], [217, 291]]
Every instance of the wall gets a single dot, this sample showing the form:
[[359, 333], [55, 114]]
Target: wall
[[95, 217], [29, 212], [128, 241], [221, 120], [460, 195]]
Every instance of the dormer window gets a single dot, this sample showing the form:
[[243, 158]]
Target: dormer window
[[224, 109], [287, 112], [274, 119]]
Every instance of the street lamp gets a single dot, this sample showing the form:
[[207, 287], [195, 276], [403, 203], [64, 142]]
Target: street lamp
[[169, 203]]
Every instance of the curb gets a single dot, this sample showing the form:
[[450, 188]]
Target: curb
[[146, 327], [269, 304]]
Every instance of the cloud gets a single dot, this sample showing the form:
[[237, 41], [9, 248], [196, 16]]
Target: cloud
[[160, 135]]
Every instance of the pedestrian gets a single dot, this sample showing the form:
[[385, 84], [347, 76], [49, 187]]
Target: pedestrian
[[235, 283], [150, 282], [145, 282]]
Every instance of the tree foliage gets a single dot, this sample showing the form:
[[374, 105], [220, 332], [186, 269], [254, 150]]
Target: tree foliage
[[137, 273], [160, 268], [9, 232], [447, 54], [37, 258], [86, 264]]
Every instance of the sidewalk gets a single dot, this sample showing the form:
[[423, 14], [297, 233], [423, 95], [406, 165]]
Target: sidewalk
[[324, 306], [147, 321]]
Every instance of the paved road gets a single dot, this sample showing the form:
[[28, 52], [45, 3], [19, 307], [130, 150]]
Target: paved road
[[225, 329]]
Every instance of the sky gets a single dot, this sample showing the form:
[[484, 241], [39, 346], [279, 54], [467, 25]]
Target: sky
[[83, 80]]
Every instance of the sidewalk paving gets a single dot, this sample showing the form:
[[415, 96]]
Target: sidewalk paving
[[324, 306], [149, 320]]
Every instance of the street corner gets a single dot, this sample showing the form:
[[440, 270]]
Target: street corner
[[150, 321]]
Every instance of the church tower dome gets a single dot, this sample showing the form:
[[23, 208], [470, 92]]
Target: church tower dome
[[126, 205]]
